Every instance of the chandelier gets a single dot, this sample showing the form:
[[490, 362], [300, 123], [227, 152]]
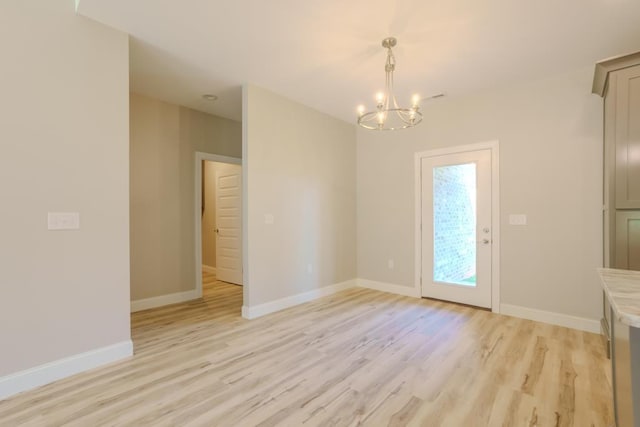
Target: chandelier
[[388, 115]]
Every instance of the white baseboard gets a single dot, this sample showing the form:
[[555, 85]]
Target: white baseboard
[[282, 303], [159, 301], [59, 369], [568, 321], [208, 269], [390, 287]]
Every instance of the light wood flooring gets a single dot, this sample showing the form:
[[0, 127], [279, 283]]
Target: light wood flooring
[[360, 357]]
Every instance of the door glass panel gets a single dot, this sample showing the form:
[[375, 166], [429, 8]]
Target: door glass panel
[[454, 225]]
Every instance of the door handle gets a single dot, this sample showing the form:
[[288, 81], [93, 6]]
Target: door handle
[[217, 230], [485, 241]]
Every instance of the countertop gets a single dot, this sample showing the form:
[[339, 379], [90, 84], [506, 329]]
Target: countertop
[[622, 288]]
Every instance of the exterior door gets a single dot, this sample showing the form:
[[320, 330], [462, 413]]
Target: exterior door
[[229, 223], [456, 227]]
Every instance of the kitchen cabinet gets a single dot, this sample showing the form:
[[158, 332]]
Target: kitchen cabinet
[[618, 81]]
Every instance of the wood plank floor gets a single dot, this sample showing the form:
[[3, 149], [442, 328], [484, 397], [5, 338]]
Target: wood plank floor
[[359, 357]]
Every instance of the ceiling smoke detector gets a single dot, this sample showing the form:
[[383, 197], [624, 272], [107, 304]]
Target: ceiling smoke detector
[[209, 97]]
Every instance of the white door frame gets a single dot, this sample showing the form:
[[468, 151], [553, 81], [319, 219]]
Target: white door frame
[[494, 146], [200, 156]]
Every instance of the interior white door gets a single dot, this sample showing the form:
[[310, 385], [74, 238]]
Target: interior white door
[[229, 223], [456, 227]]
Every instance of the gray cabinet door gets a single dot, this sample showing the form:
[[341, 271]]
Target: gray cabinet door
[[627, 138], [625, 361], [627, 240]]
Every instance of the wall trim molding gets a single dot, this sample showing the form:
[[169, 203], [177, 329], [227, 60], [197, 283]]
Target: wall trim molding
[[559, 319], [287, 302], [159, 301], [390, 288], [208, 269], [606, 66], [49, 372]]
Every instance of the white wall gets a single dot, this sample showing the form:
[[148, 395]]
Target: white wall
[[164, 140], [299, 167], [64, 114], [550, 134]]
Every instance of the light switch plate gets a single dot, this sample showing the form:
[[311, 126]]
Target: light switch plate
[[63, 220], [268, 219], [519, 219]]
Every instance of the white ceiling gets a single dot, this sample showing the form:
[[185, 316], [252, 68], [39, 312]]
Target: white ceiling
[[327, 54]]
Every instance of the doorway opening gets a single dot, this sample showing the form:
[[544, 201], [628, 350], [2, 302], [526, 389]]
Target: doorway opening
[[457, 223], [218, 208]]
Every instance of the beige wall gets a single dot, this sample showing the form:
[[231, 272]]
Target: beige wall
[[164, 139], [550, 135], [64, 132], [299, 167]]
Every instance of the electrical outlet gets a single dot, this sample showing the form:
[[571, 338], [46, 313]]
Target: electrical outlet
[[391, 264]]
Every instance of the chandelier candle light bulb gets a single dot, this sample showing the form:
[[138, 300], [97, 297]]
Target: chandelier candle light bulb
[[388, 115], [415, 101]]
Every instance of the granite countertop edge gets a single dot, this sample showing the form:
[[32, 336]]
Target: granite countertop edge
[[622, 288]]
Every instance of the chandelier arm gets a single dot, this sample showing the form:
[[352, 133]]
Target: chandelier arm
[[369, 121], [404, 117]]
